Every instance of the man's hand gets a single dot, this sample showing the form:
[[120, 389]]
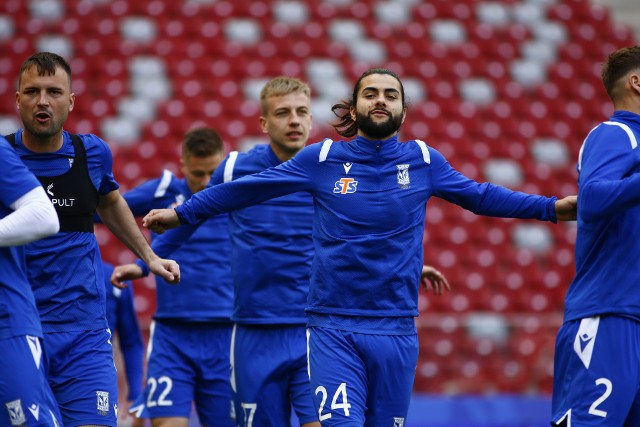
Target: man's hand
[[431, 276], [168, 269], [567, 208], [160, 220], [125, 272]]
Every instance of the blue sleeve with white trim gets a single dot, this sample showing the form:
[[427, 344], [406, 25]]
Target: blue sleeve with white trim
[[608, 179]]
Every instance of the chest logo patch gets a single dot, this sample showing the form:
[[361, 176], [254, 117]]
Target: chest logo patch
[[345, 186], [403, 176]]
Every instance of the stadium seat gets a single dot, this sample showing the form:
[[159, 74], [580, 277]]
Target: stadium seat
[[483, 81]]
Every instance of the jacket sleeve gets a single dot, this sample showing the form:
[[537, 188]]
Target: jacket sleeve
[[486, 198], [286, 178], [608, 182]]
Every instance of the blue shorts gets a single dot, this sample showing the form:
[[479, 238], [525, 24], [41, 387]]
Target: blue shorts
[[188, 362], [83, 376], [24, 391], [597, 372], [361, 379], [269, 375]]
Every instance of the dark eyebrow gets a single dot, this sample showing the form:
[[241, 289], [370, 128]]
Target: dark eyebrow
[[374, 89]]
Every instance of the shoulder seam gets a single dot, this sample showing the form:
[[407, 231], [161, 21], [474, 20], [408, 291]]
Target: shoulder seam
[[425, 151], [627, 129], [632, 138], [324, 151], [229, 165], [161, 190]]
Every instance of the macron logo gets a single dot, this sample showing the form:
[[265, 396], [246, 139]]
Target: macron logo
[[347, 167], [35, 411], [584, 341]]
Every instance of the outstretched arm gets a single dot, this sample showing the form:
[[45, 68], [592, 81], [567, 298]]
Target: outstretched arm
[[289, 177], [117, 216], [494, 200]]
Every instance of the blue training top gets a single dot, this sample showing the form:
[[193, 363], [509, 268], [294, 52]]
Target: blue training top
[[65, 270], [18, 312], [370, 200], [607, 273], [205, 292], [271, 247]]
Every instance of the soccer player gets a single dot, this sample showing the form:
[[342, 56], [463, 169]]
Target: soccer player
[[271, 254], [597, 357], [188, 358], [65, 269], [370, 196], [26, 214], [123, 321]]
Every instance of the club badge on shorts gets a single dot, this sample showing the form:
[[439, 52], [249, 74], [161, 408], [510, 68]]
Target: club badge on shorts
[[103, 402]]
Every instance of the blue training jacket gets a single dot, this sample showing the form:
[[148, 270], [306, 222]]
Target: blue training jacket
[[370, 201], [271, 247], [205, 292], [607, 271]]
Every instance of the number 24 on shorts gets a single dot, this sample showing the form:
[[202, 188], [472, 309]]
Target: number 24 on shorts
[[340, 394]]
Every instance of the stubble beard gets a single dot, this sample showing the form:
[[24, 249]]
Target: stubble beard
[[44, 131]]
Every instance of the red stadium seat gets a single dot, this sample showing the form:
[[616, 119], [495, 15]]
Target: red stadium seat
[[207, 73]]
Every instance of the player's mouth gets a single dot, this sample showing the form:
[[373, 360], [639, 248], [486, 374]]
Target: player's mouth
[[379, 112], [42, 116], [294, 135]]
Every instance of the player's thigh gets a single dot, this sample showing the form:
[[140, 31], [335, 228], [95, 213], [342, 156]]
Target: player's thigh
[[596, 371], [337, 376], [213, 398], [390, 362], [83, 377], [260, 377], [23, 384], [170, 380]]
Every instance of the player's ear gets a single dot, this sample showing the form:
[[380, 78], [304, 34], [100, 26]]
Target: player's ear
[[634, 82]]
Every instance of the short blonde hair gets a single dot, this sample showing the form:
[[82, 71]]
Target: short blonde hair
[[280, 86]]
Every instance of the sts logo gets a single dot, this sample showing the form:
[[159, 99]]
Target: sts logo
[[345, 186]]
